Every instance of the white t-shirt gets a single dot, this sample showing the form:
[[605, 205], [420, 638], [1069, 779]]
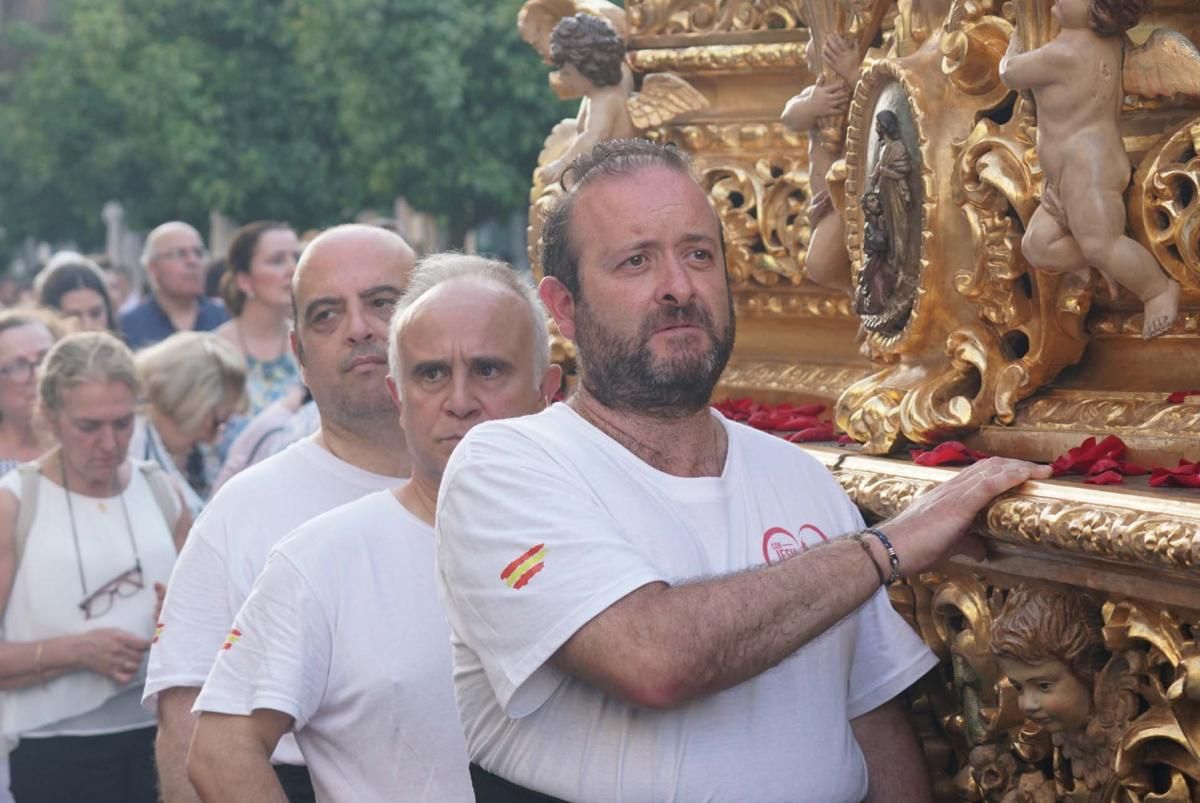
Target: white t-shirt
[[344, 632], [227, 548], [543, 522]]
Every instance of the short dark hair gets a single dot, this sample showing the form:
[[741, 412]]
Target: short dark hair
[[1114, 17], [65, 277], [592, 45], [612, 159], [241, 254]]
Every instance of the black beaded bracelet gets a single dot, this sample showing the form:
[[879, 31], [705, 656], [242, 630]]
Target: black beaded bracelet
[[893, 558]]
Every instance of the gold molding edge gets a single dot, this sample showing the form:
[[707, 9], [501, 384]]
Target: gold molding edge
[[1130, 527]]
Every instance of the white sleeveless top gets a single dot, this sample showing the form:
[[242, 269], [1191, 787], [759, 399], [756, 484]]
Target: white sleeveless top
[[45, 597]]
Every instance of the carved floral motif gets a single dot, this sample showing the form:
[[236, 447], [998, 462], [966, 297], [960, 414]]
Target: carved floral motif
[[824, 381], [655, 17], [1165, 204]]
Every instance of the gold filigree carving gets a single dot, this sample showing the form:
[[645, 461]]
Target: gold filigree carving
[[1129, 530], [802, 303], [761, 57], [1129, 322], [738, 138], [658, 17], [1113, 533], [1165, 204], [1117, 413], [823, 381]]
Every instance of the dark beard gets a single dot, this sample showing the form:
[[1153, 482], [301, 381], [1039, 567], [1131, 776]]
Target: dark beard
[[621, 372]]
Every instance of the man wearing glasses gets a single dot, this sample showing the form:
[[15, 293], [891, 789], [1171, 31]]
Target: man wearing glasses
[[175, 258]]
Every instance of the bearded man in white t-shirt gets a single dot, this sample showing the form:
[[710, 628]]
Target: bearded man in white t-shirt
[[346, 283], [651, 603], [343, 640]]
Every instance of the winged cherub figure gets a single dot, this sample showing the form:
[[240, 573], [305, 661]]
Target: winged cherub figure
[[590, 56], [827, 264], [1079, 80]]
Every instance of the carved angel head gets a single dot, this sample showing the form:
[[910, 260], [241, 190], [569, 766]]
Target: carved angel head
[[590, 45], [1049, 644]]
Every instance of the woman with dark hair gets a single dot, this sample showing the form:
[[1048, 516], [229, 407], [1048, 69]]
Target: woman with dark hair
[[74, 286], [257, 287]]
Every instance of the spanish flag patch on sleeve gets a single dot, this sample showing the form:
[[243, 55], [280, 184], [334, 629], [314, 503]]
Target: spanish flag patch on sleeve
[[518, 573]]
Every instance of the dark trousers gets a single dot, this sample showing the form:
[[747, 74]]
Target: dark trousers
[[296, 783], [491, 788], [113, 768]]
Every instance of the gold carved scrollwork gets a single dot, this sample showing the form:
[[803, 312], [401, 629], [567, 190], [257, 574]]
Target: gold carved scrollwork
[[1114, 533], [763, 211], [1118, 413], [1165, 204], [655, 17], [714, 59], [985, 331]]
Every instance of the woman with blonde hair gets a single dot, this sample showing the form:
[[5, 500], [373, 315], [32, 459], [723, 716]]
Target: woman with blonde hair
[[72, 659], [194, 382], [25, 338], [257, 287]]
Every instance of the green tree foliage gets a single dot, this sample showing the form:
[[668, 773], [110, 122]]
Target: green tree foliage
[[305, 110]]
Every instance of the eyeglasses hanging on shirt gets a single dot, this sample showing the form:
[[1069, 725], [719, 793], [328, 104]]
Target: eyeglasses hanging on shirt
[[126, 584]]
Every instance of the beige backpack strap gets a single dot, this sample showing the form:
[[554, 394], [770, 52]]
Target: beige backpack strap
[[164, 493], [30, 474]]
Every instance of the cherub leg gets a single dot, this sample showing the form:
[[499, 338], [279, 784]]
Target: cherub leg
[[827, 263], [1048, 245], [1098, 224]]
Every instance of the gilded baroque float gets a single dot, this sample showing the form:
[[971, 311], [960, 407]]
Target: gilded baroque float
[[985, 267]]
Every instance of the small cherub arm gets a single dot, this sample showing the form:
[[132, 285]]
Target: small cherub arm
[[1167, 64], [814, 102], [664, 97], [1019, 70]]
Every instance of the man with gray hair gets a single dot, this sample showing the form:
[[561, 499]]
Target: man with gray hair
[[175, 259], [343, 640]]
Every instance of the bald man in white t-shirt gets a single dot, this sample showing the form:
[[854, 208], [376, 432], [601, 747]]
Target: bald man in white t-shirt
[[345, 285], [343, 641]]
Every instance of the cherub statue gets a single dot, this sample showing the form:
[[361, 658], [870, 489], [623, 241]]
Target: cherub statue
[[590, 56], [1079, 81], [1050, 646], [827, 263]]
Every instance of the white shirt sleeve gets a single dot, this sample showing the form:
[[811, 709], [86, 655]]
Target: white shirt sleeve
[[278, 653], [195, 616], [888, 656], [526, 555]]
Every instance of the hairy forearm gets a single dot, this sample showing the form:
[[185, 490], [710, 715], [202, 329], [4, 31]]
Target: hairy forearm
[[176, 722], [896, 767], [229, 763], [675, 644]]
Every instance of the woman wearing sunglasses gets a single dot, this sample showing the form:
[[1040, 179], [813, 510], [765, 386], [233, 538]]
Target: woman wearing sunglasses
[[25, 337], [85, 533]]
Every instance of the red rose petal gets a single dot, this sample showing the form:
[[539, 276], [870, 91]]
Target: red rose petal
[[947, 453], [824, 432], [1178, 396], [1105, 478], [845, 440], [1079, 459]]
